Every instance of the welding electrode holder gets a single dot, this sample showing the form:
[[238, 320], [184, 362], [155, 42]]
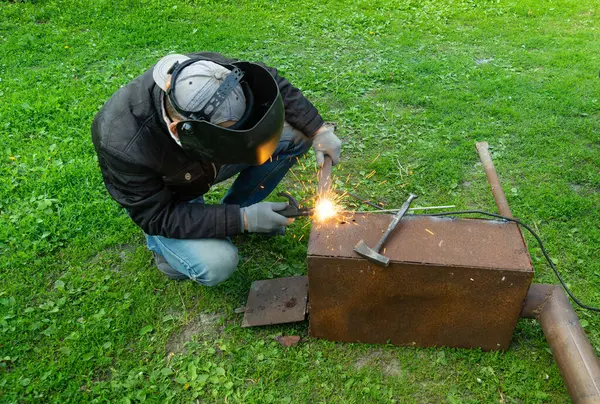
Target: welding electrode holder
[[293, 209]]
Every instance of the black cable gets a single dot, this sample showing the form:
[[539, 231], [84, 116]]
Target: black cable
[[510, 219]]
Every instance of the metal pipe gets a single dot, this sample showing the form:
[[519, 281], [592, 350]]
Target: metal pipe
[[324, 177], [549, 305], [572, 351], [490, 171]]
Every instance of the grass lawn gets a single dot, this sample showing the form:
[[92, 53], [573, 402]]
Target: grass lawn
[[84, 315]]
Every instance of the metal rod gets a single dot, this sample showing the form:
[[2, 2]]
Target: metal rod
[[396, 210], [572, 351], [324, 177], [361, 199], [492, 176]]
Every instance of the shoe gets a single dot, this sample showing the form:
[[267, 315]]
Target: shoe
[[164, 267]]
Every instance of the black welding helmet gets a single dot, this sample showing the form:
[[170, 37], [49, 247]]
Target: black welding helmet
[[253, 139]]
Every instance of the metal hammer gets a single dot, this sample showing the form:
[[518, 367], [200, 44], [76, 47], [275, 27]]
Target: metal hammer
[[372, 254]]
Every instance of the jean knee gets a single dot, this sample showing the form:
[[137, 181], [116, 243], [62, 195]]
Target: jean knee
[[301, 148], [296, 143], [217, 267]]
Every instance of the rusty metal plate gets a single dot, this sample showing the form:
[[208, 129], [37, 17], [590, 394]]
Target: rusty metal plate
[[428, 240], [451, 282], [276, 301]]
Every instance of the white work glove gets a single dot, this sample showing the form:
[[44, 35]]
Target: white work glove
[[325, 142], [262, 217]]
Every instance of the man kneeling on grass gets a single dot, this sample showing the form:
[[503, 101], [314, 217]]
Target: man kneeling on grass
[[193, 121]]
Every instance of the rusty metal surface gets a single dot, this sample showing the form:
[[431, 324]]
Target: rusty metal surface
[[427, 240], [492, 176], [456, 283], [276, 301], [574, 355], [537, 295]]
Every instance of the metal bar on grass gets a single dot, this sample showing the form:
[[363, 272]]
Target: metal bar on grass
[[492, 176]]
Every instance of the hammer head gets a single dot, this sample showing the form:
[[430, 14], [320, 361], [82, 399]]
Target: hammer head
[[367, 252]]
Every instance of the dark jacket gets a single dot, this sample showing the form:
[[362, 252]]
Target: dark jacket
[[148, 174]]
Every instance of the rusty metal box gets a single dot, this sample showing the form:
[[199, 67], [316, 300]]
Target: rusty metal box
[[450, 282]]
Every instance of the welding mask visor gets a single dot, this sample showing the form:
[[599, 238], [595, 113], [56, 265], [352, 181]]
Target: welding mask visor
[[253, 139]]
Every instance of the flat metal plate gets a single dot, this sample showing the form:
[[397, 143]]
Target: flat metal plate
[[427, 240], [276, 301], [451, 282]]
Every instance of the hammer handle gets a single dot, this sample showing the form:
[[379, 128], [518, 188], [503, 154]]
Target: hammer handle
[[395, 221]]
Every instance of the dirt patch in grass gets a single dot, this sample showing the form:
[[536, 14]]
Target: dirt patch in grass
[[384, 361], [102, 375], [582, 189], [203, 326], [121, 252]]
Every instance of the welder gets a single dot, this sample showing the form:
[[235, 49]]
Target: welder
[[192, 121]]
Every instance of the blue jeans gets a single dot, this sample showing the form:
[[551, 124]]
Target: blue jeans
[[212, 261]]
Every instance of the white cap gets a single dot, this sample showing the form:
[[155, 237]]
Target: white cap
[[197, 83]]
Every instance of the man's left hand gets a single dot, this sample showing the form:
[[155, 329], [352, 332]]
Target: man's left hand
[[325, 142]]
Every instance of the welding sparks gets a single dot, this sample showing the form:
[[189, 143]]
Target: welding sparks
[[326, 209]]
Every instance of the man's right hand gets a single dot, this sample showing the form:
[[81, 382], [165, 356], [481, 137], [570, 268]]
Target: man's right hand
[[262, 217]]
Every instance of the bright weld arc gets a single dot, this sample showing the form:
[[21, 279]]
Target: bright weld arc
[[327, 208]]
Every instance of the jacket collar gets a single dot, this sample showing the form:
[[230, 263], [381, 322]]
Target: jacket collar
[[159, 107], [157, 95]]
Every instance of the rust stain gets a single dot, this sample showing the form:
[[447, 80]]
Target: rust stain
[[291, 303]]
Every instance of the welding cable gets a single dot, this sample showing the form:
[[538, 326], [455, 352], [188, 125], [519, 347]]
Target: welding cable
[[533, 233]]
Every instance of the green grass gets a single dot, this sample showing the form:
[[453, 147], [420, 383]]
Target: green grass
[[84, 316]]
